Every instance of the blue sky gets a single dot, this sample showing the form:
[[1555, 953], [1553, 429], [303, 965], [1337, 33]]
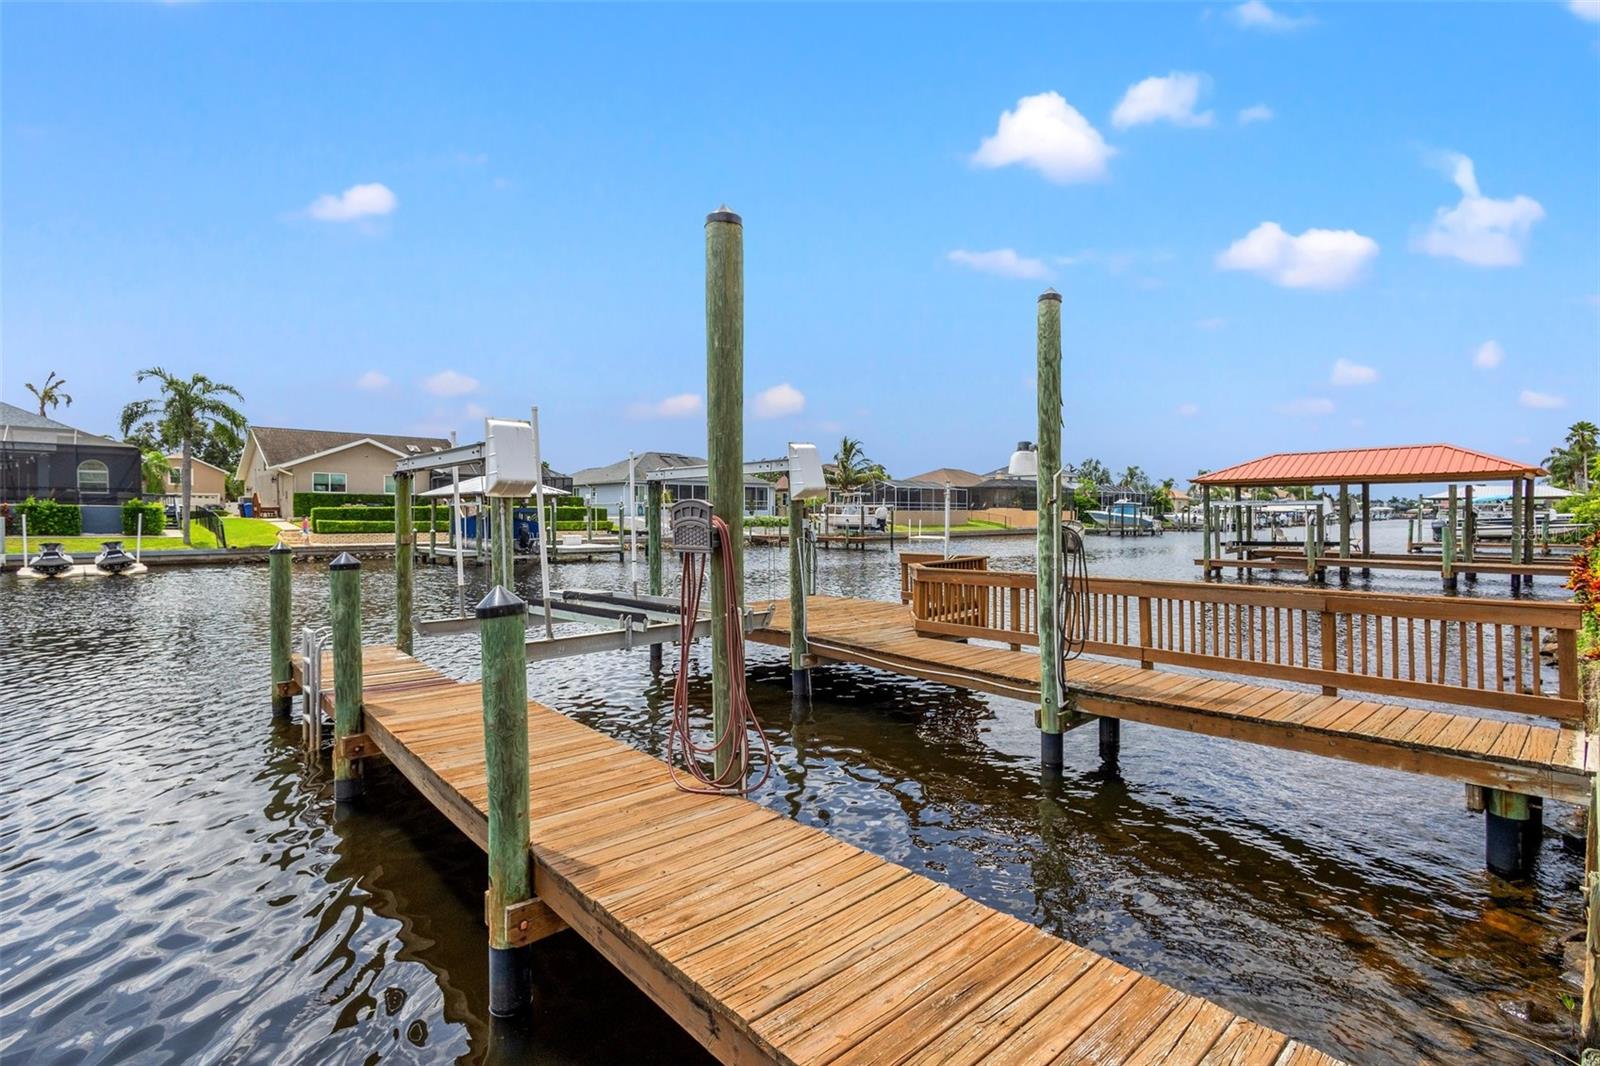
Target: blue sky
[[393, 218]]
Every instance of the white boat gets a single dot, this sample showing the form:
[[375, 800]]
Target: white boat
[[1125, 513]]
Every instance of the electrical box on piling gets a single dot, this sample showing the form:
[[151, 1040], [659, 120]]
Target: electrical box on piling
[[806, 481], [509, 469]]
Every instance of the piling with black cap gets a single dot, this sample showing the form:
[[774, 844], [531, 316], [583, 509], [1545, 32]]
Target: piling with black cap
[[345, 592], [1048, 487], [502, 619], [279, 561], [652, 525]]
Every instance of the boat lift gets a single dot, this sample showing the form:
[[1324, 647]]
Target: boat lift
[[510, 454]]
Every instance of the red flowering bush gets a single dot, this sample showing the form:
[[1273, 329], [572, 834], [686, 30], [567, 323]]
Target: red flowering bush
[[1585, 585]]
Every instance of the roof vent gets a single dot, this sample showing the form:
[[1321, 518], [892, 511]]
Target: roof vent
[[413, 449]]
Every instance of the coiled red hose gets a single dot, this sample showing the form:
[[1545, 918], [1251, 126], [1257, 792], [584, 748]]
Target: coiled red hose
[[735, 740]]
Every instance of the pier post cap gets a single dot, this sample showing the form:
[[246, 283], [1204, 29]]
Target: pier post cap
[[345, 561], [722, 214], [500, 602], [1049, 294], [280, 548]]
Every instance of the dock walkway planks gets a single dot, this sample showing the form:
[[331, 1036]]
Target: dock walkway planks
[[771, 941], [1534, 759]]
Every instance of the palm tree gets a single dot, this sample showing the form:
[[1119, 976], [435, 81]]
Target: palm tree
[[1134, 478], [852, 468], [51, 393], [186, 414], [1581, 442], [155, 469]]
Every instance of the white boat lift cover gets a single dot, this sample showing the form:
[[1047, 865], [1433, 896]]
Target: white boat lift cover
[[473, 486]]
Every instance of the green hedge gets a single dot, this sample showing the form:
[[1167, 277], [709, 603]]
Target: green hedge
[[336, 519], [765, 521], [155, 517], [580, 526], [50, 518], [305, 501]]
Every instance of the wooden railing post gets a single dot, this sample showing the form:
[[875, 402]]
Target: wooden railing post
[[505, 746], [345, 592], [279, 591], [1328, 623], [1145, 641]]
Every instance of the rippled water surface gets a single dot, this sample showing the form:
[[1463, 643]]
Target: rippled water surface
[[176, 886]]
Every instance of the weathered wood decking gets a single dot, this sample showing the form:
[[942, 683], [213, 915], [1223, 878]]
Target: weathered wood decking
[[770, 941], [1516, 756]]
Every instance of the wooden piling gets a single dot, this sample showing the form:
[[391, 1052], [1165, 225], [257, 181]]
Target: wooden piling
[[1366, 526], [345, 593], [1513, 827], [505, 746], [799, 650], [1447, 542], [654, 564], [280, 560], [1344, 531], [1049, 525], [1469, 528], [404, 541], [1517, 532], [724, 443], [1529, 518], [1206, 534]]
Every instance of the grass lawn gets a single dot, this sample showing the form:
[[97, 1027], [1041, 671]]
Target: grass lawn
[[89, 547], [250, 532]]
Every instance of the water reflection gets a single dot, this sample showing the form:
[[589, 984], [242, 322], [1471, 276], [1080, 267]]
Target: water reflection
[[145, 789]]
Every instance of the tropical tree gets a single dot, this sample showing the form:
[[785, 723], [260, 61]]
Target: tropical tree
[[185, 415], [1574, 457], [51, 393], [851, 467], [154, 469], [1135, 478], [1094, 470]]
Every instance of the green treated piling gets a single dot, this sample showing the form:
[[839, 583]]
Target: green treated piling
[[1447, 566], [724, 441], [345, 591], [1469, 528], [404, 557], [1344, 530], [1049, 525], [505, 750], [279, 562], [799, 648], [652, 528]]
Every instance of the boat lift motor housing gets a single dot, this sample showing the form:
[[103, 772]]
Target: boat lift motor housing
[[508, 466], [691, 527], [805, 473]]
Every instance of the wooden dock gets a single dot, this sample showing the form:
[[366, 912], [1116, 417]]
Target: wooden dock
[[771, 941], [1556, 760]]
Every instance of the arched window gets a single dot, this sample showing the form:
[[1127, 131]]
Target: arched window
[[93, 476]]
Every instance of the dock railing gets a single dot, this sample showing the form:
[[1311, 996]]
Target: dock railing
[[1469, 652]]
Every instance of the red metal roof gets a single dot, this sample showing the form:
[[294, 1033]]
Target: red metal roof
[[1414, 463]]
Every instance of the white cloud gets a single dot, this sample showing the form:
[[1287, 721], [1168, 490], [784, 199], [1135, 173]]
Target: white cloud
[[358, 201], [1256, 15], [450, 383], [1316, 259], [1542, 401], [682, 405], [1347, 373], [1210, 323], [780, 400], [1002, 261], [1479, 230], [372, 381], [1188, 410], [1588, 10], [1169, 99], [1049, 135], [1489, 355], [1256, 113], [1309, 405]]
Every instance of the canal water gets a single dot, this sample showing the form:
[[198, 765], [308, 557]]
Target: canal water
[[175, 887]]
